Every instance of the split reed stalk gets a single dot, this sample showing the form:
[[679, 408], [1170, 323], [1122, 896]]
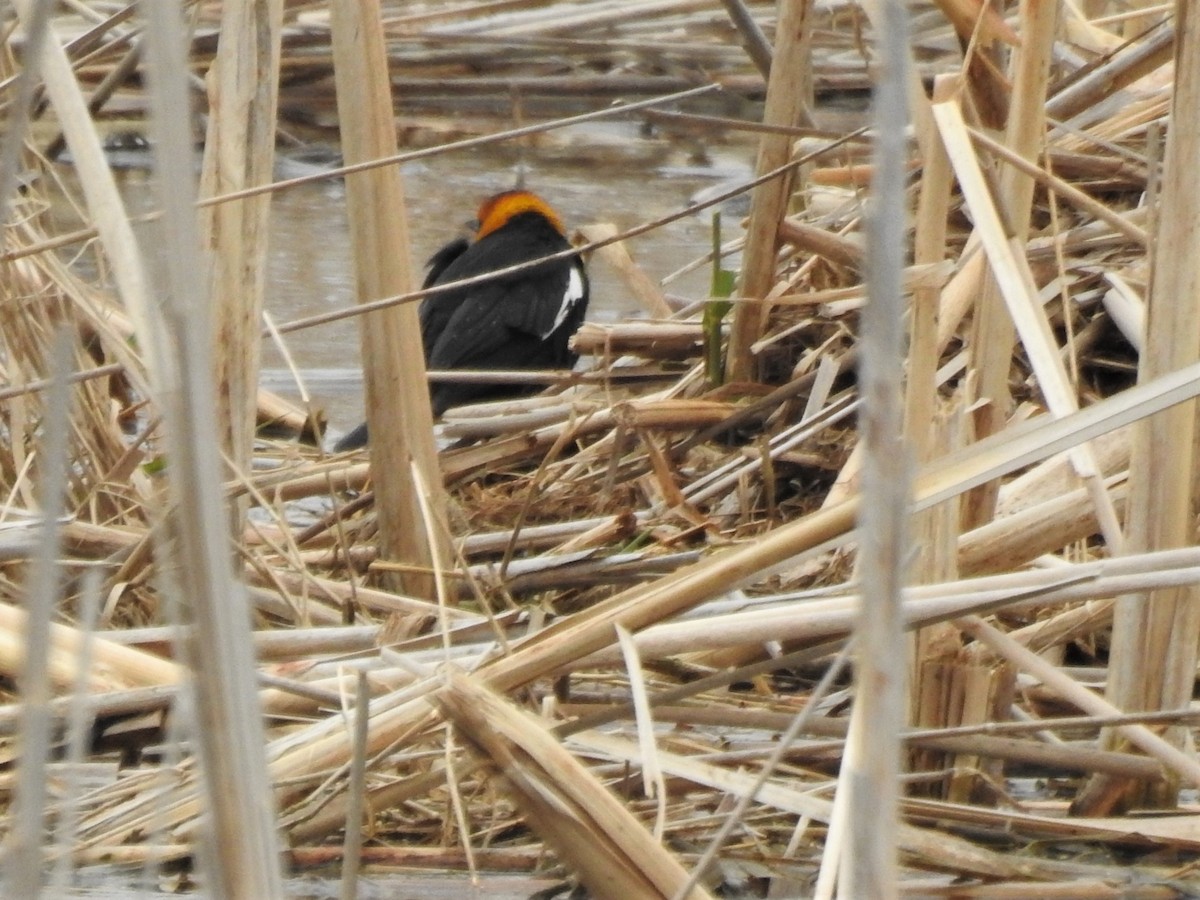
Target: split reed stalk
[[788, 99], [398, 407], [24, 850], [934, 530], [239, 152], [993, 330]]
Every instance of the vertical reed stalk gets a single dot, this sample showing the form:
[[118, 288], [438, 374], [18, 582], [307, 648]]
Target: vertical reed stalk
[[23, 851], [356, 787], [870, 771], [788, 97], [968, 691], [929, 246], [398, 410], [1153, 659], [935, 530], [239, 152], [13, 142], [230, 736], [993, 330], [80, 717]]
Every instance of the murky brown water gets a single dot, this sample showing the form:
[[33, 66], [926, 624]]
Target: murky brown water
[[311, 269], [311, 264]]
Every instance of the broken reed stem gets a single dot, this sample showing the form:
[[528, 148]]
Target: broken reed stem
[[356, 785], [609, 849], [826, 617], [1184, 765], [758, 48]]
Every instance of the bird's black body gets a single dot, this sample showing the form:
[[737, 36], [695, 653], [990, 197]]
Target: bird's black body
[[523, 320]]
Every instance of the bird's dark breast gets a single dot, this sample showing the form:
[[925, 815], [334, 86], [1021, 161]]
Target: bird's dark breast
[[519, 321]]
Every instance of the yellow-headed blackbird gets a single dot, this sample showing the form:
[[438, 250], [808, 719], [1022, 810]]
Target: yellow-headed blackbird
[[518, 321]]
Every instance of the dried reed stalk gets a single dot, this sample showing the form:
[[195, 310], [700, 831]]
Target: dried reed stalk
[[1154, 651], [398, 409], [24, 844], [869, 776], [933, 648], [1011, 541], [239, 152], [789, 97], [993, 326], [241, 839], [648, 292], [609, 849]]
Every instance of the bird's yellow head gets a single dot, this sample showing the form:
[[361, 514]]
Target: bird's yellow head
[[495, 212]]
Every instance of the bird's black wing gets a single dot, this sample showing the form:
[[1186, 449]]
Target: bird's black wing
[[469, 326], [551, 298], [442, 258], [490, 317]]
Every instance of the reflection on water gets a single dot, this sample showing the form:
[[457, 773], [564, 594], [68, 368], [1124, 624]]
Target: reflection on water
[[115, 883], [311, 262]]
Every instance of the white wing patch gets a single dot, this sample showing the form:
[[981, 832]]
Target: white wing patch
[[571, 296]]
